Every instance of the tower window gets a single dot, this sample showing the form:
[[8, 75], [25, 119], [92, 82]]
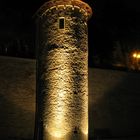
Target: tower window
[[61, 23]]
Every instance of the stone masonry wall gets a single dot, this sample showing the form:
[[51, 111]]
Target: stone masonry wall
[[63, 74]]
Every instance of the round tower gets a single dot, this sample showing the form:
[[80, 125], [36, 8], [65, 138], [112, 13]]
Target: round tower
[[62, 70]]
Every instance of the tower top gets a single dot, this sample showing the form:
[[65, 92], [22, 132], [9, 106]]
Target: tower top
[[51, 4]]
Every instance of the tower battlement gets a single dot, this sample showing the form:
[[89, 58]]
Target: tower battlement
[[65, 4]]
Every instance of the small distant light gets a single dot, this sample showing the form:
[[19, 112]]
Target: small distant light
[[134, 55], [138, 56]]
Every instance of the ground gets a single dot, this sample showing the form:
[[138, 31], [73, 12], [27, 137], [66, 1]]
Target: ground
[[114, 102]]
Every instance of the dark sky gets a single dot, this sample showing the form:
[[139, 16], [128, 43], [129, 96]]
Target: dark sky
[[112, 20]]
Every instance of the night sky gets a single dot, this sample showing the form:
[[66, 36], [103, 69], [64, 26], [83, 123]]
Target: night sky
[[112, 21]]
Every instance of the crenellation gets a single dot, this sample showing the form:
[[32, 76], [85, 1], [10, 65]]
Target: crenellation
[[76, 4]]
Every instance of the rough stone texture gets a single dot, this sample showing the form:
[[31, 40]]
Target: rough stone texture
[[62, 75]]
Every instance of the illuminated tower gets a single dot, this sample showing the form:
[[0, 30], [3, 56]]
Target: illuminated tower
[[62, 70]]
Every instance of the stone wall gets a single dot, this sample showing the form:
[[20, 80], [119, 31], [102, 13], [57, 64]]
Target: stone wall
[[62, 73]]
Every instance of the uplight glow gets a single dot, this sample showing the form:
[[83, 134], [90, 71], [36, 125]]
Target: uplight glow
[[57, 124]]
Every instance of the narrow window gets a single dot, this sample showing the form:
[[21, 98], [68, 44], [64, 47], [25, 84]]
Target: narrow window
[[61, 23]]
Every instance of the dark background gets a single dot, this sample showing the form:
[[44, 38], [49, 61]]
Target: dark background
[[113, 29]]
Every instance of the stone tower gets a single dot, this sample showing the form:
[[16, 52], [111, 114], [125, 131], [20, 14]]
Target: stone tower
[[62, 70]]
